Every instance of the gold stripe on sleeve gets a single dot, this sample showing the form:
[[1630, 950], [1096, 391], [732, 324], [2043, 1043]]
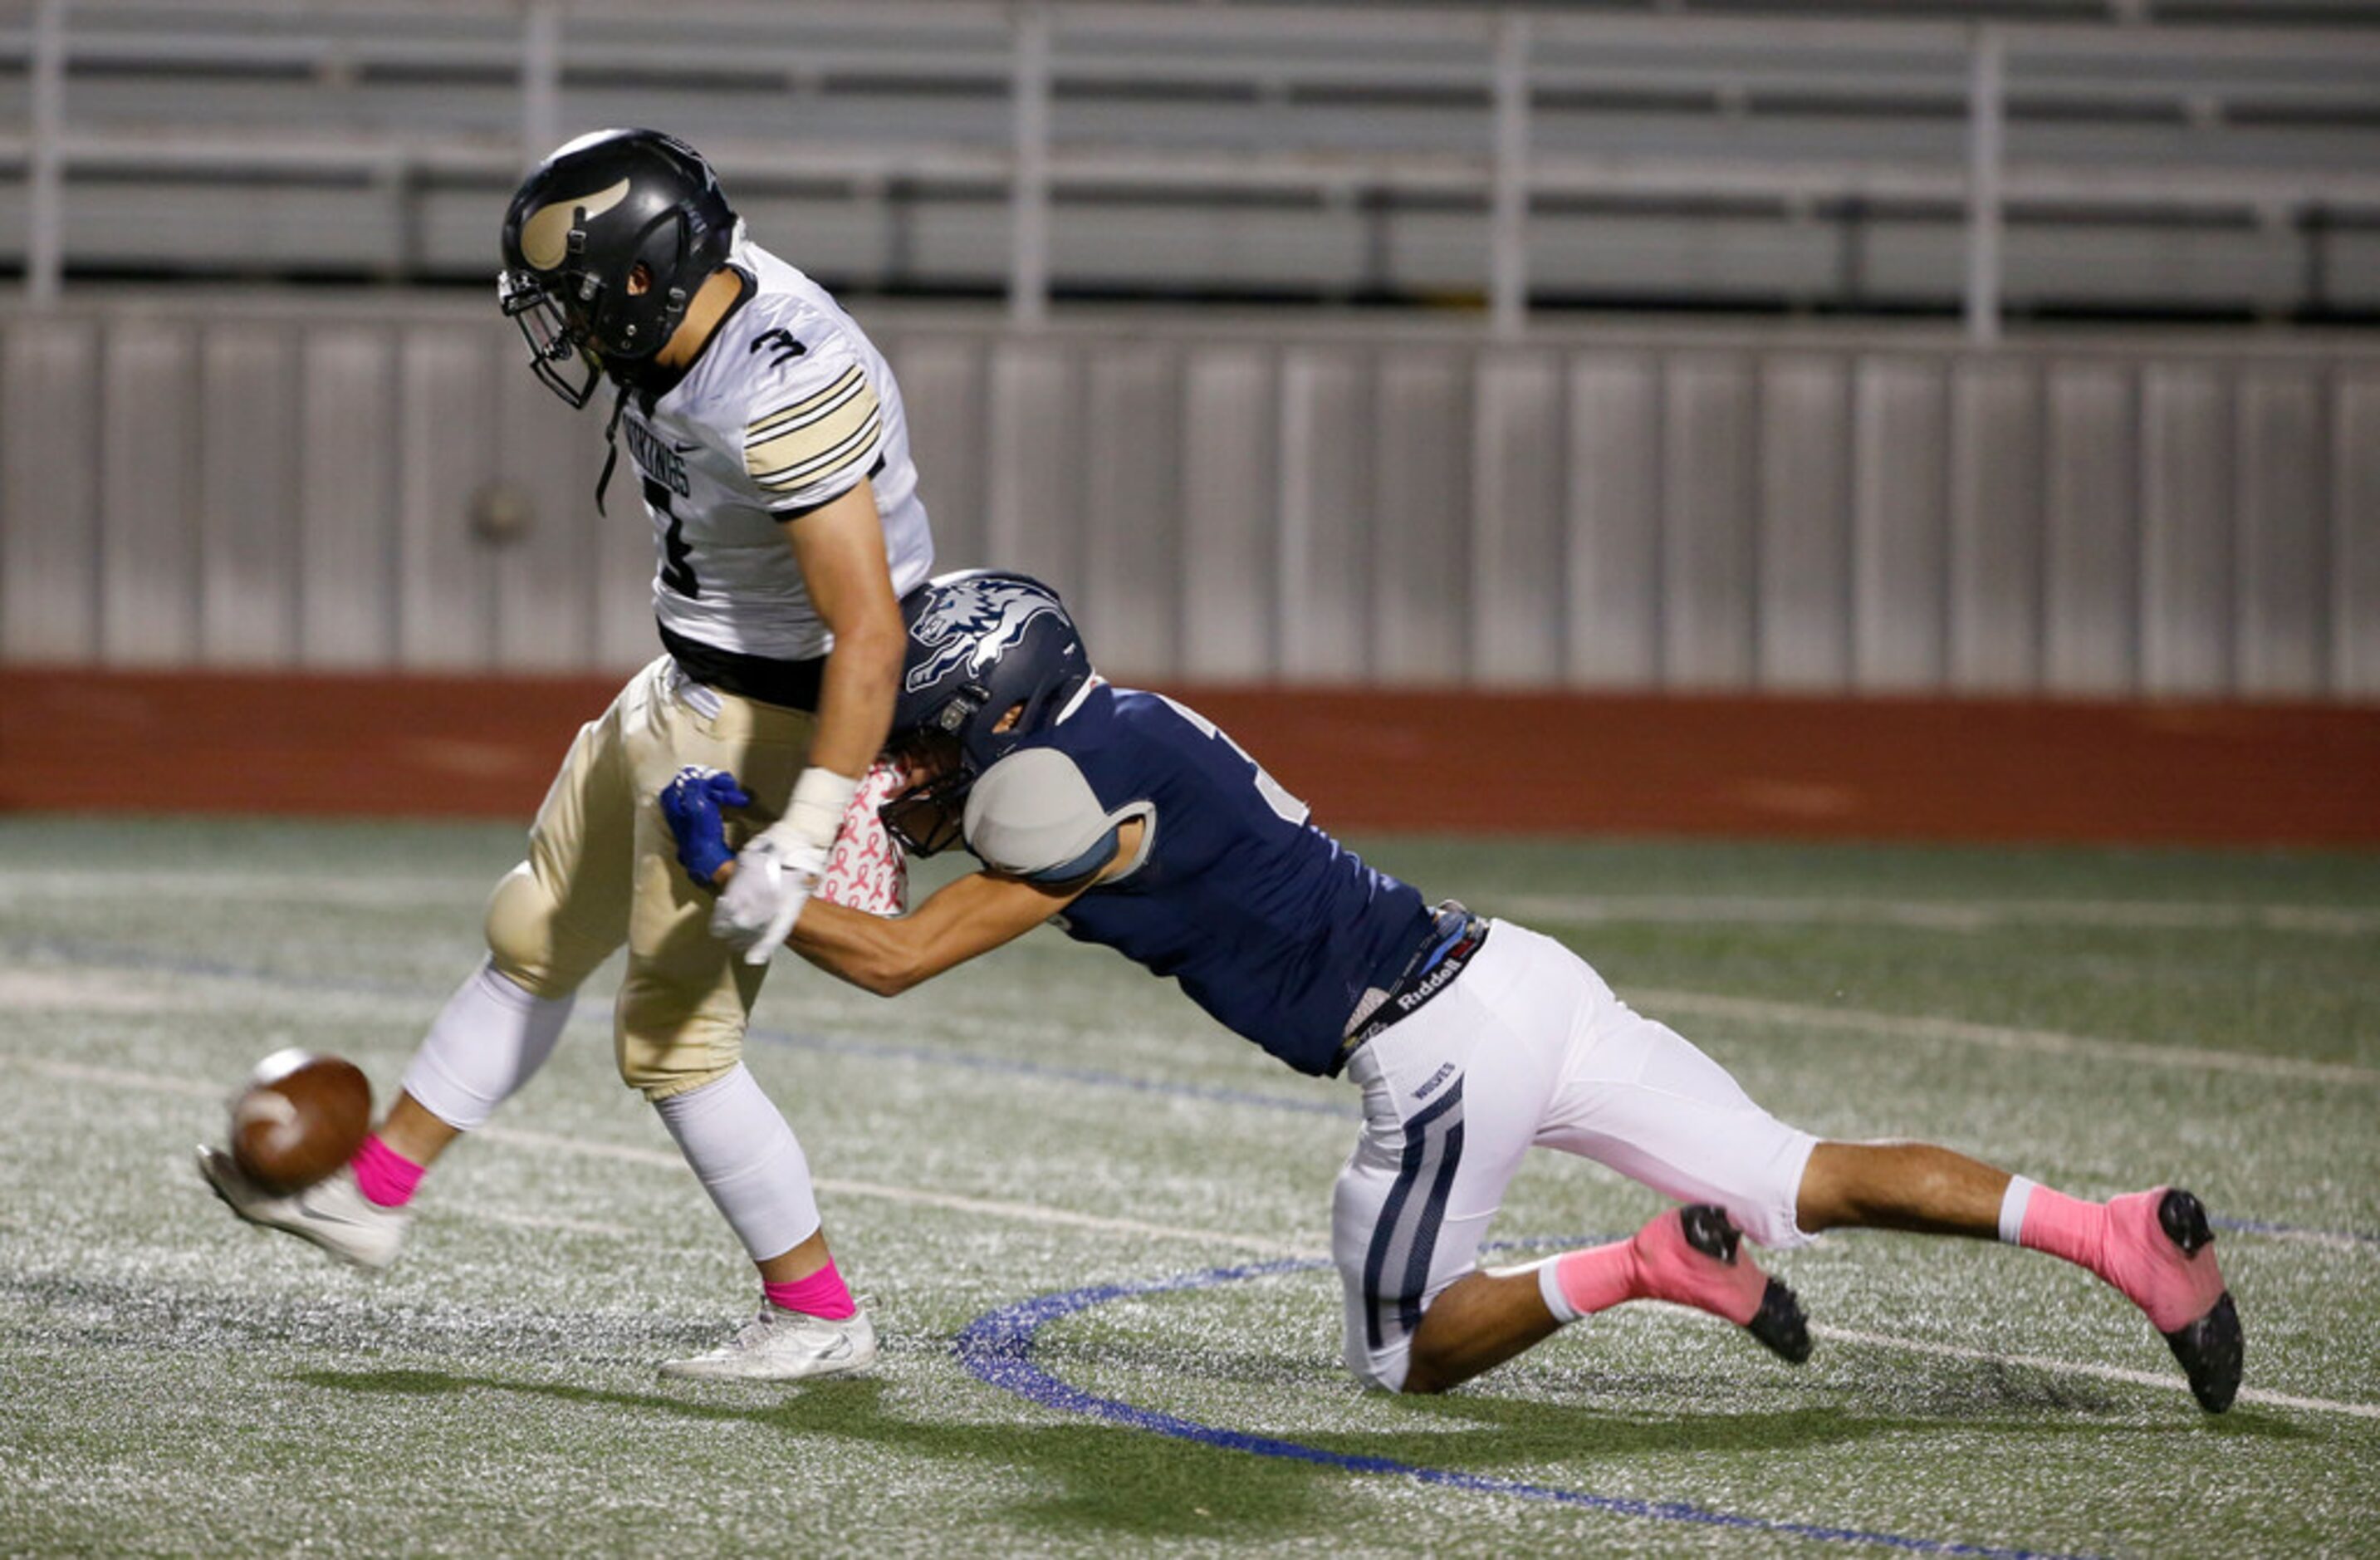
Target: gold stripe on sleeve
[[785, 419], [818, 449]]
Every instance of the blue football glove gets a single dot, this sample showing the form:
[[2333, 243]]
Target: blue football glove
[[691, 804]]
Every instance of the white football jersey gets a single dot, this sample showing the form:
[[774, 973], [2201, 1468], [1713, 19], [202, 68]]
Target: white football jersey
[[788, 408]]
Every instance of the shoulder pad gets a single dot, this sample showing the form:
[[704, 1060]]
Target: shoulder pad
[[1033, 815]]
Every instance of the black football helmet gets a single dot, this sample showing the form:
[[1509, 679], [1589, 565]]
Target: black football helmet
[[981, 642], [585, 219]]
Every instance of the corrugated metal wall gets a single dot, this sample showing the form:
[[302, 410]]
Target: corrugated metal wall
[[304, 487]]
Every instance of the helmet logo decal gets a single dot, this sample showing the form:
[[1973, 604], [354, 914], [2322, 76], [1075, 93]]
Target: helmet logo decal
[[545, 237], [974, 623]]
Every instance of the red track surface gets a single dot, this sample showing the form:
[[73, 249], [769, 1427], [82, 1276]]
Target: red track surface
[[1806, 768]]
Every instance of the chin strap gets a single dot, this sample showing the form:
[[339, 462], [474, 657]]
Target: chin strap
[[610, 445]]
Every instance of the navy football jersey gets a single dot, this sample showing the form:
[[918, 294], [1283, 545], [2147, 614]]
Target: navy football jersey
[[1269, 923]]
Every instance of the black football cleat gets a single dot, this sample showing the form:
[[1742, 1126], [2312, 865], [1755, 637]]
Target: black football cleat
[[1779, 1325], [2212, 1349]]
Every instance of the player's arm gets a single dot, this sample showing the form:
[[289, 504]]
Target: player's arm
[[840, 548], [971, 916], [964, 918], [814, 431]]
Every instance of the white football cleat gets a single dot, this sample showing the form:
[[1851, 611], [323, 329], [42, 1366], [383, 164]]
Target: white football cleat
[[332, 1214], [785, 1346]]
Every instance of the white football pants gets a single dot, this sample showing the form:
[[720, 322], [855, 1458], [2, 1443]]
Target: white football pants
[[1528, 1045]]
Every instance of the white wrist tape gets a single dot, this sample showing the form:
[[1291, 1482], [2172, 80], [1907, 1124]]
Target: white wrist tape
[[815, 813]]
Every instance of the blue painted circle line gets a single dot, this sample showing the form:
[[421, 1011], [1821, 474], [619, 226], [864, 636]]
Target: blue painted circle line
[[998, 1349]]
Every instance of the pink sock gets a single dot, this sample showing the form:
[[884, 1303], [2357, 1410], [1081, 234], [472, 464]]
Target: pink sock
[[2065, 1226], [1596, 1279], [2121, 1241], [1656, 1264], [821, 1293], [383, 1176]]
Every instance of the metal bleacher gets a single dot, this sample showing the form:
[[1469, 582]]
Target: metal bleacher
[[2131, 156]]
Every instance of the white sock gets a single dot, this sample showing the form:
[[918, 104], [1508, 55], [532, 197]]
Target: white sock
[[747, 1158], [490, 1038], [1549, 1289], [2013, 1206]]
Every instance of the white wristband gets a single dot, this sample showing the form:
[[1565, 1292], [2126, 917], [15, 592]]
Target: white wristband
[[815, 813]]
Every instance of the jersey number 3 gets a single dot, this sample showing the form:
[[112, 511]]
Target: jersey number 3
[[1276, 796]]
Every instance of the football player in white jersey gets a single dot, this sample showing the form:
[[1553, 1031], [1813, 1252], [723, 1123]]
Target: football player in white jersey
[[768, 438]]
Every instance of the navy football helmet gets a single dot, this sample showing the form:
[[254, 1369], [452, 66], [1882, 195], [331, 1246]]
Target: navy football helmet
[[981, 642], [580, 224]]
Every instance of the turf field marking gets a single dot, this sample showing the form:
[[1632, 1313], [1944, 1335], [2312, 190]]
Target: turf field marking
[[384, 890], [1291, 1254], [2339, 1239], [1031, 1213], [1017, 1068], [1968, 916], [2077, 1368], [76, 1072], [51, 991], [996, 1349], [628, 1154], [567, 1226], [367, 891], [1710, 1005], [1998, 1036]]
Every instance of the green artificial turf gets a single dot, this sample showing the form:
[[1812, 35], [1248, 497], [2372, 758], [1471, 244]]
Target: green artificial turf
[[1051, 1121]]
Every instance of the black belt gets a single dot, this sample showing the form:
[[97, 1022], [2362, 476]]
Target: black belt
[[792, 685], [1455, 935]]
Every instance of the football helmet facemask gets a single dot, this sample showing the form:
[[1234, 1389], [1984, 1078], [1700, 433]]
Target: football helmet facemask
[[981, 642], [580, 226]]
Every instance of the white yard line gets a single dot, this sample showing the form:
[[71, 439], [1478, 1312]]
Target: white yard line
[[84, 987], [2328, 1239], [1962, 915], [2077, 1368], [1940, 915], [1028, 1212], [1033, 1213], [367, 891], [78, 991], [568, 1226], [1660, 1003], [75, 1072]]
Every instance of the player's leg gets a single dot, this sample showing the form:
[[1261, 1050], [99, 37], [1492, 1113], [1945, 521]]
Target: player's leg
[[1525, 994], [1413, 1201], [1645, 1101], [680, 1022], [549, 922], [2156, 1247]]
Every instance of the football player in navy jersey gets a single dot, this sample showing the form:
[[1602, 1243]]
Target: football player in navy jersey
[[1151, 833]]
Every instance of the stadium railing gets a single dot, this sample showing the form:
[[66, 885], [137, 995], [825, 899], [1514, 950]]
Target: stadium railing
[[1506, 156]]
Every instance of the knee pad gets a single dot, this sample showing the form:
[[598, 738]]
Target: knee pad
[[529, 942], [490, 1038]]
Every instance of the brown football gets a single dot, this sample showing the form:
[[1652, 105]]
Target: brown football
[[299, 1118]]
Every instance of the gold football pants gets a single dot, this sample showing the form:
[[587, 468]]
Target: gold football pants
[[603, 869]]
